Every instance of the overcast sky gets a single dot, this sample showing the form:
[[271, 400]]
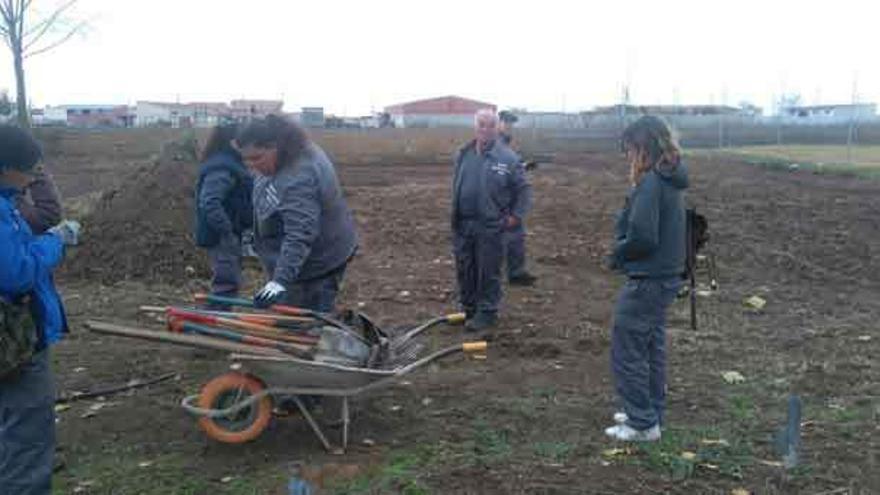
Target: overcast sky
[[354, 56]]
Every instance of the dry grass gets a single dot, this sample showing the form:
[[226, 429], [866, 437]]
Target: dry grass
[[821, 156]]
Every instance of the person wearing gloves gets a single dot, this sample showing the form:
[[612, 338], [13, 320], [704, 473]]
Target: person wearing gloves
[[304, 232], [649, 249], [40, 203], [31, 320], [490, 194], [224, 209]]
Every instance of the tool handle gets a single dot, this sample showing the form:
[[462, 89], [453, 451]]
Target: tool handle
[[456, 318], [289, 348], [473, 347], [229, 301]]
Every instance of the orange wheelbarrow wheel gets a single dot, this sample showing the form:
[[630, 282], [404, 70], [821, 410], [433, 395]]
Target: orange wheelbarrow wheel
[[226, 391]]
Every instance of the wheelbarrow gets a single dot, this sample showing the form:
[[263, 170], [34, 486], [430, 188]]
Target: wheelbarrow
[[237, 406]]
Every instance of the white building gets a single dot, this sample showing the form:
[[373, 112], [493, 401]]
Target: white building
[[830, 114], [159, 114]]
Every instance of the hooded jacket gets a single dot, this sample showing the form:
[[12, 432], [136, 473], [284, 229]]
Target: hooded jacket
[[650, 229], [223, 199]]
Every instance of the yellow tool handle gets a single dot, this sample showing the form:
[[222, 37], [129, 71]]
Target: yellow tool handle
[[456, 318], [479, 346]]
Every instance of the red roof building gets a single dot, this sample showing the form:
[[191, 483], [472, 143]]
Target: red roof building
[[445, 111]]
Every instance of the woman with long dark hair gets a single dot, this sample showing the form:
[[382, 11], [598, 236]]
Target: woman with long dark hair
[[224, 211], [304, 232], [650, 250]]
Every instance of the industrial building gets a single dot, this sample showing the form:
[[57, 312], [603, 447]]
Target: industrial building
[[445, 111]]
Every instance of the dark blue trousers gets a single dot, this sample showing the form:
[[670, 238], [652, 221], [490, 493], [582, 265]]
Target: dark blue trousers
[[317, 294], [479, 251], [225, 260], [27, 429], [638, 348], [515, 251]]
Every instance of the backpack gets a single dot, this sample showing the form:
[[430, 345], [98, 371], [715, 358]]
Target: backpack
[[697, 237], [18, 335]]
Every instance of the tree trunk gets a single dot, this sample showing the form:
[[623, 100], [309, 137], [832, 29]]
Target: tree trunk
[[24, 116]]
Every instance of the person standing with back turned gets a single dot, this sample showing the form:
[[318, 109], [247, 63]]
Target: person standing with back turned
[[649, 249], [224, 208]]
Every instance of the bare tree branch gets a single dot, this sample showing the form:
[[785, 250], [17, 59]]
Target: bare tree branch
[[6, 11], [42, 27], [58, 42]]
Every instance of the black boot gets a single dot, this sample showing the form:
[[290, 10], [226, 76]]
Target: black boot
[[524, 279], [481, 321]]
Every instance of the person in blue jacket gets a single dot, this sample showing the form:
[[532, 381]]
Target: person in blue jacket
[[224, 210], [649, 249], [27, 393]]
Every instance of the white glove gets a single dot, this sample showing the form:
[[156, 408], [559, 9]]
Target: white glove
[[68, 231], [270, 294]]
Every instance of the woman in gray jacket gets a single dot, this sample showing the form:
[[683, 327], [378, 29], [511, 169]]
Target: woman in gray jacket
[[650, 250], [304, 232]]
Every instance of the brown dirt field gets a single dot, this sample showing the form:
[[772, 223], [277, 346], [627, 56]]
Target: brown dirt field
[[529, 419]]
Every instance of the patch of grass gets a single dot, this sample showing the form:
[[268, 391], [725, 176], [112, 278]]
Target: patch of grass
[[399, 475], [555, 452], [402, 473], [863, 162], [489, 445], [742, 408], [125, 474], [682, 453]]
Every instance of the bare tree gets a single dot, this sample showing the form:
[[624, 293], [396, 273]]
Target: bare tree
[[26, 38]]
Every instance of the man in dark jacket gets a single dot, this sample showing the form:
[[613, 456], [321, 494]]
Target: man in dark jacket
[[224, 209], [514, 238], [490, 193]]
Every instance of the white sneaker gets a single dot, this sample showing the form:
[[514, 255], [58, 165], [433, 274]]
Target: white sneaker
[[620, 417], [626, 433]]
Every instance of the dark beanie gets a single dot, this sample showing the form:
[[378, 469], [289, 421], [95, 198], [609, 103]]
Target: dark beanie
[[18, 149]]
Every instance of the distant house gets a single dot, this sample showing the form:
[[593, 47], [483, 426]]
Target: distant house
[[85, 116], [549, 120], [247, 109], [162, 114], [445, 111], [671, 110], [830, 114], [202, 114], [207, 114], [312, 117]]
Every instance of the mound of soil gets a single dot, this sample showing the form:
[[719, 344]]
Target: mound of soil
[[142, 229]]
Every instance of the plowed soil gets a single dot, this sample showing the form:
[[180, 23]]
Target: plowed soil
[[529, 418]]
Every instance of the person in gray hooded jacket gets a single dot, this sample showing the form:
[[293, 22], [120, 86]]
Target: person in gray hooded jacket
[[304, 232], [649, 249], [490, 194]]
